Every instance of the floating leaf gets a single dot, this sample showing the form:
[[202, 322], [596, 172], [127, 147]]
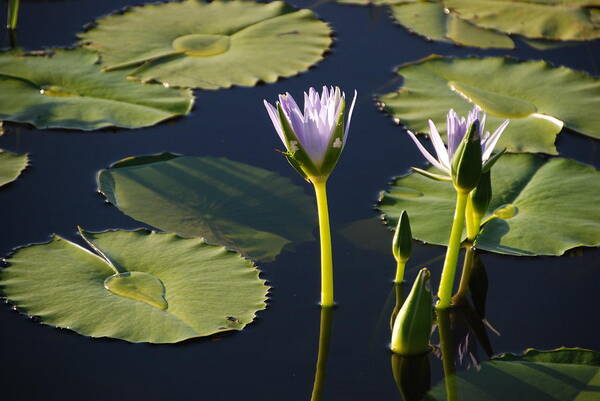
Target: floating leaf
[[547, 19], [246, 208], [538, 207], [11, 166], [429, 19], [66, 89], [141, 286], [210, 45], [537, 97], [564, 374]]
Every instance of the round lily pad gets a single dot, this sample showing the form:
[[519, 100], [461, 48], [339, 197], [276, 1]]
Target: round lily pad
[[138, 286], [538, 206], [538, 98], [246, 208], [433, 21], [210, 45], [572, 20], [66, 89], [11, 166], [564, 374]]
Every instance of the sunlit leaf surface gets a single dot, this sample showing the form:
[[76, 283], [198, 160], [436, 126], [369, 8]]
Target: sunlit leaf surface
[[535, 19], [539, 206], [67, 89], [429, 19], [564, 374], [537, 97], [210, 45], [168, 289], [246, 208], [11, 166]]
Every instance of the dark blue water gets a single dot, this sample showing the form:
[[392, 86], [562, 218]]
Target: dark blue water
[[534, 302]]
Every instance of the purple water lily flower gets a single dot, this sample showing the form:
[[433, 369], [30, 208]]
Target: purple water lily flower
[[457, 128], [313, 139]]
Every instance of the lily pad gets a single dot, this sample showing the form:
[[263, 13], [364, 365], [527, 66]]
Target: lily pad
[[138, 286], [246, 208], [66, 89], [210, 45], [11, 166], [538, 206], [564, 374], [537, 97], [570, 20], [430, 19]]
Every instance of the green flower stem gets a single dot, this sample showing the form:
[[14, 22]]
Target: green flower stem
[[465, 277], [449, 270], [400, 265], [447, 348], [13, 14], [322, 356], [320, 185]]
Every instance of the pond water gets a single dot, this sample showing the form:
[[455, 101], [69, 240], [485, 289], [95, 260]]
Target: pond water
[[543, 302]]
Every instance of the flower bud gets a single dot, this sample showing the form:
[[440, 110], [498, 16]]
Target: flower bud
[[466, 162], [402, 244], [482, 194], [412, 327]]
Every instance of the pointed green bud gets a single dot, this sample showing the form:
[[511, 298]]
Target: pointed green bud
[[412, 327], [481, 196], [466, 161], [402, 245]]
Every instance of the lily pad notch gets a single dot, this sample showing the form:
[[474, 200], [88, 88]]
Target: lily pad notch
[[209, 45], [138, 286]]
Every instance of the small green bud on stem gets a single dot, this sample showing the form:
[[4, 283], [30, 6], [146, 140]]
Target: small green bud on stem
[[466, 162], [477, 205], [412, 328], [402, 245]]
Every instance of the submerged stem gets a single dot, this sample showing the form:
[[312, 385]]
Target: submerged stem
[[323, 354], [13, 14], [447, 348], [325, 238], [449, 269]]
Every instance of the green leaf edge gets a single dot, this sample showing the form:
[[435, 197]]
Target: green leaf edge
[[25, 166], [531, 354]]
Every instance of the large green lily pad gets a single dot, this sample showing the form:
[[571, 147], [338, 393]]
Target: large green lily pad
[[539, 206], [210, 45], [537, 97], [564, 374], [66, 89], [167, 289], [430, 19], [572, 20], [246, 208], [11, 166]]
